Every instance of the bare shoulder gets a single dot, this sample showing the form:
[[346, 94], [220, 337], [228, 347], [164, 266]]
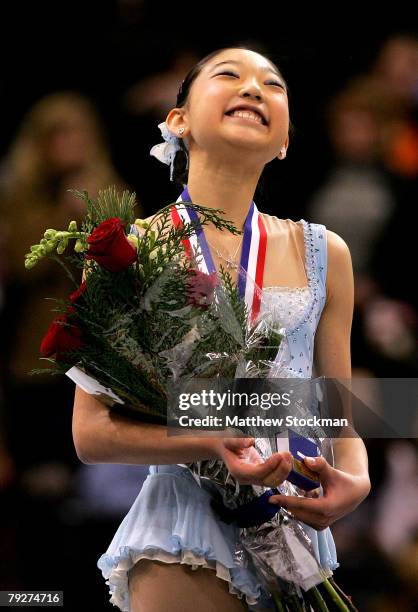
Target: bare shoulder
[[270, 218], [339, 266], [274, 225], [337, 248], [336, 243]]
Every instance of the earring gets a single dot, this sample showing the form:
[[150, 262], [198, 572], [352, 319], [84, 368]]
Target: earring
[[181, 130]]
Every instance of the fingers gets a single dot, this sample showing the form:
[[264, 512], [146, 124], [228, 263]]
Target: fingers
[[252, 473], [252, 455], [279, 475], [318, 464], [242, 448], [315, 493], [269, 473], [237, 443], [313, 512]]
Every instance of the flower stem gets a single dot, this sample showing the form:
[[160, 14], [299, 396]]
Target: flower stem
[[332, 597], [346, 598], [316, 600], [294, 603], [278, 602], [66, 268]]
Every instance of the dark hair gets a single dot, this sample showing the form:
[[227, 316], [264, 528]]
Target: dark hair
[[180, 170]]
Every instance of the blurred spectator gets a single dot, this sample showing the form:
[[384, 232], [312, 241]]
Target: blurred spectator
[[106, 491], [360, 201], [391, 326], [395, 74], [356, 201], [60, 144], [378, 557], [396, 523]]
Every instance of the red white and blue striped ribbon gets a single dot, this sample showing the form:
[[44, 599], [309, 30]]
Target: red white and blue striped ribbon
[[253, 253]]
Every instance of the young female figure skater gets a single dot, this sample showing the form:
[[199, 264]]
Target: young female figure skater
[[233, 116]]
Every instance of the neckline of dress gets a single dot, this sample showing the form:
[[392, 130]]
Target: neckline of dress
[[281, 287], [307, 266], [312, 285]]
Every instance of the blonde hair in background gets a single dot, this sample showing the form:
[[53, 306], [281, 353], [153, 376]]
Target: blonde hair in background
[[27, 163]]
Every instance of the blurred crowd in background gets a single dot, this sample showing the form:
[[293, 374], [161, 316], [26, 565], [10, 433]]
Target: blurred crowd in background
[[352, 165]]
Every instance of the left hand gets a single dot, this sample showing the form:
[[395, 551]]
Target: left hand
[[342, 493]]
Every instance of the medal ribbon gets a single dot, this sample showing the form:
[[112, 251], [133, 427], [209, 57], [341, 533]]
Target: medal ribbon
[[253, 253]]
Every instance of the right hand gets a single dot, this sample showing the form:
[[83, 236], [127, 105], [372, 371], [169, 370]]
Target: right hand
[[247, 466]]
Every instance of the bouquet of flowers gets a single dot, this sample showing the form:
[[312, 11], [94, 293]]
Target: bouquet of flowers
[[145, 318], [142, 316]]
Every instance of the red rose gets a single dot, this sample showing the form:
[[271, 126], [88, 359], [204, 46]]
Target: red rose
[[200, 288], [61, 337], [78, 292], [110, 247]]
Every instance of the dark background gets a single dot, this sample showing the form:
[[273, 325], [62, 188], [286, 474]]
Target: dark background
[[51, 531]]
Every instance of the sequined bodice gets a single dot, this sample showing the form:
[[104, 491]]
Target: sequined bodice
[[287, 304], [298, 309]]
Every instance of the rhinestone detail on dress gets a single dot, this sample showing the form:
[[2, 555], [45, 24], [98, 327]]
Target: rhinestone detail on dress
[[305, 298], [295, 305]]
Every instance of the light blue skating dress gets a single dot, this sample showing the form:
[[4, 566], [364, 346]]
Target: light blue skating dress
[[171, 520]]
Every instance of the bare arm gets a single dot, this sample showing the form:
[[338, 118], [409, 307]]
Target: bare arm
[[102, 437], [332, 345]]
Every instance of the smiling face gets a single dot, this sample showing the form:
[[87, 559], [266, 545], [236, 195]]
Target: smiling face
[[236, 105]]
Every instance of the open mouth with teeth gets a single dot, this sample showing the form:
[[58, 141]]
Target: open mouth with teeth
[[248, 115]]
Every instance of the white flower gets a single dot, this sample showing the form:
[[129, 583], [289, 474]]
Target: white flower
[[166, 151], [133, 240]]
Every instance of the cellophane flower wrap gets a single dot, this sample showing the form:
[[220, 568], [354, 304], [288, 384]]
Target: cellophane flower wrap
[[143, 318]]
